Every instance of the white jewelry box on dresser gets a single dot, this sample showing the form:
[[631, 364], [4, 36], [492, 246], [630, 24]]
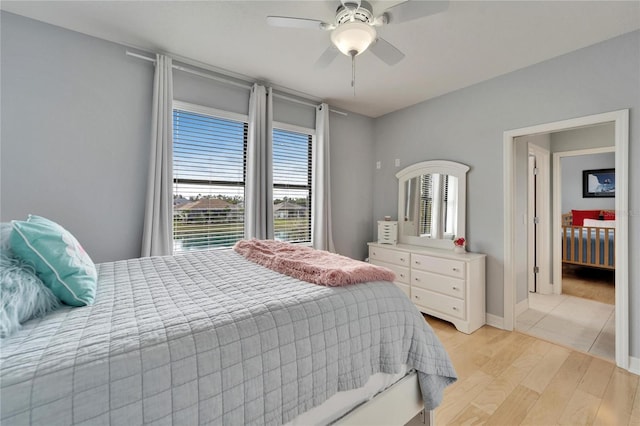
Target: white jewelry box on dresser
[[387, 232], [439, 282]]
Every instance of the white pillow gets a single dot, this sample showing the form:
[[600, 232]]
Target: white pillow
[[599, 223]]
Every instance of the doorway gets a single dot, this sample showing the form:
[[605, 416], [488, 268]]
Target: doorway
[[560, 205], [620, 119], [578, 309]]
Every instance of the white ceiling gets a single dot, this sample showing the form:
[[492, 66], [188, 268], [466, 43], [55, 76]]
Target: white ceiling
[[468, 43]]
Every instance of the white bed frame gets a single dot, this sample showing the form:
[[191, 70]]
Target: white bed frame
[[397, 405]]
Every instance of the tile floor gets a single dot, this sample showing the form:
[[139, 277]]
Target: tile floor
[[582, 324]]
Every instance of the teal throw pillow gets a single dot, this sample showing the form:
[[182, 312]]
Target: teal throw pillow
[[22, 295], [58, 258]]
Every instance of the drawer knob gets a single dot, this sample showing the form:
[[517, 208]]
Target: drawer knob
[[402, 259], [416, 297], [455, 288], [455, 308], [456, 269], [417, 262], [401, 275], [417, 279]]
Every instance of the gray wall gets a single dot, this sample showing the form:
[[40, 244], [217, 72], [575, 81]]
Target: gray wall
[[571, 169], [76, 130], [75, 134], [468, 126], [352, 167], [599, 136], [210, 93]]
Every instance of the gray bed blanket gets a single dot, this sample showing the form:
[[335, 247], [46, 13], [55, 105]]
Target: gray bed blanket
[[211, 338]]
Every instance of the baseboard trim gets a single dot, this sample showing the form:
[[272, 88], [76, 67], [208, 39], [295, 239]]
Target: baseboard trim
[[495, 321], [522, 306], [634, 365]]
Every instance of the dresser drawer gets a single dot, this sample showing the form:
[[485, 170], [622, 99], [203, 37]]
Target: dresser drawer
[[439, 302], [402, 273], [439, 283], [390, 256], [450, 267]]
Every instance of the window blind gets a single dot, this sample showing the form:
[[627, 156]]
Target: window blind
[[292, 186], [432, 223], [209, 161], [426, 204], [446, 208]]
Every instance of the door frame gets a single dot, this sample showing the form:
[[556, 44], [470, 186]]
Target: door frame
[[557, 208], [543, 163], [620, 119]]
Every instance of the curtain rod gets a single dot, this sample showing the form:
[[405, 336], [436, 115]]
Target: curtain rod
[[195, 72], [227, 81]]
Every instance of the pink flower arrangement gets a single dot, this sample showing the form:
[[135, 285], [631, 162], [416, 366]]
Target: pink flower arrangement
[[459, 242]]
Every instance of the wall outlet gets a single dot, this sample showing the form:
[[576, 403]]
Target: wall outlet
[[397, 162], [378, 165]]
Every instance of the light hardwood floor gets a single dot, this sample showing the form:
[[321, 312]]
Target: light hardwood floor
[[508, 378], [589, 283]]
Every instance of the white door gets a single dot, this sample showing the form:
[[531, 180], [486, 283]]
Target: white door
[[532, 228], [539, 262]]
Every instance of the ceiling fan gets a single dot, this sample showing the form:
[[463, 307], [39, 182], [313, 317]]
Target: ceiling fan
[[354, 28]]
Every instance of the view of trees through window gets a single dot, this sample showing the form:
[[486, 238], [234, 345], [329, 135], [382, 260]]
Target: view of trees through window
[[209, 168]]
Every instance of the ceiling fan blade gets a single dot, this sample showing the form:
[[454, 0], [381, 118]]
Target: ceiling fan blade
[[287, 22], [387, 52], [327, 57], [410, 10]]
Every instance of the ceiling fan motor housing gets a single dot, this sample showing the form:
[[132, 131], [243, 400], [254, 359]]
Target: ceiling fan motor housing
[[352, 11]]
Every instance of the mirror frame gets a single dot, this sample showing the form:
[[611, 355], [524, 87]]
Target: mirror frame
[[452, 168]]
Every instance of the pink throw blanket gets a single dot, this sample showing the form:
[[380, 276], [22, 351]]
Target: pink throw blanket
[[307, 264]]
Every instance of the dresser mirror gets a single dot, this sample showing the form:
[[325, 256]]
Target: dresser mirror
[[431, 203]]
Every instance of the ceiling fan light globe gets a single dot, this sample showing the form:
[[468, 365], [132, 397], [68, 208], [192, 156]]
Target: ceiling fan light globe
[[353, 36]]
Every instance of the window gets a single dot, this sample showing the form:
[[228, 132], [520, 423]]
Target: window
[[209, 172], [292, 185], [208, 179]]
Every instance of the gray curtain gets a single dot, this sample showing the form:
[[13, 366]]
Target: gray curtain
[[258, 192], [157, 236], [321, 235]]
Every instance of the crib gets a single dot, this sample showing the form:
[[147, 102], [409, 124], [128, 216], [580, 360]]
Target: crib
[[588, 245]]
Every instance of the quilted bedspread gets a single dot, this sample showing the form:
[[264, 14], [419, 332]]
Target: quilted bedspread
[[211, 338]]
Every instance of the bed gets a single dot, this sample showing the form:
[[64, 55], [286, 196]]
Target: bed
[[210, 337], [588, 242]]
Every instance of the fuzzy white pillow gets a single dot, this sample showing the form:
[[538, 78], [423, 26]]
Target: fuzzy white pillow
[[22, 295]]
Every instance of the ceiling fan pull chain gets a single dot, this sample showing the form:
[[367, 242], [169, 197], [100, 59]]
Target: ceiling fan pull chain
[[353, 73]]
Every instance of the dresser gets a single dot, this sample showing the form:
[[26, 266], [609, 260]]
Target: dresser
[[439, 282]]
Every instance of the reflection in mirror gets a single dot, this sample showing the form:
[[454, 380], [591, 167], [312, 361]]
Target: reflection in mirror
[[431, 202], [431, 206]]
